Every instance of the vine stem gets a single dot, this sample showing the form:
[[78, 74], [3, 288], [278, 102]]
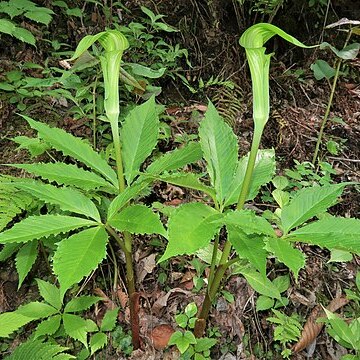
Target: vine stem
[[328, 107], [216, 278]]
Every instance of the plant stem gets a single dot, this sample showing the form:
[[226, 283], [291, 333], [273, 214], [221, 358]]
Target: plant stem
[[250, 168], [133, 295], [213, 259], [113, 233], [126, 247], [118, 157], [216, 278], [94, 112], [115, 267], [327, 111]]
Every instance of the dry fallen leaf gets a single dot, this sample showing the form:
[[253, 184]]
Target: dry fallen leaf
[[162, 301], [147, 266], [123, 297], [105, 299], [312, 329], [160, 336]]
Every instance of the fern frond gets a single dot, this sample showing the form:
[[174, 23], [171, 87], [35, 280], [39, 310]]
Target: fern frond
[[12, 201]]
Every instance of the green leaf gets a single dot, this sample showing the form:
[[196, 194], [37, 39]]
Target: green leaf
[[81, 303], [281, 197], [36, 310], [182, 320], [309, 202], [265, 166], [138, 219], [6, 86], [39, 16], [7, 27], [91, 326], [340, 256], [25, 259], [67, 174], [187, 180], [322, 70], [219, 145], [24, 35], [38, 350], [249, 247], [191, 310], [97, 341], [35, 146], [203, 344], [109, 321], [78, 255], [332, 233], [74, 12], [341, 329], [294, 259], [139, 137], [205, 254], [354, 326], [145, 71], [261, 283], [48, 326], [190, 228], [75, 327], [280, 182], [332, 147], [12, 321], [176, 159], [75, 147], [66, 198], [36, 227], [50, 293], [282, 283], [182, 340], [349, 52], [8, 250], [248, 222], [264, 303], [12, 201], [123, 198]]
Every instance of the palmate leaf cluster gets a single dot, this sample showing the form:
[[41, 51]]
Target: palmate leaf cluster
[[302, 217], [82, 201], [56, 317]]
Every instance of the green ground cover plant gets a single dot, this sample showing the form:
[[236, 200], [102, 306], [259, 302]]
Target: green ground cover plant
[[92, 203], [22, 8], [189, 346]]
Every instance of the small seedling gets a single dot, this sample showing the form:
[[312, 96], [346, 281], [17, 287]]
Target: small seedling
[[189, 346], [287, 329]]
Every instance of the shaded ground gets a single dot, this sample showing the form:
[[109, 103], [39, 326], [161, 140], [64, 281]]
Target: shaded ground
[[210, 33]]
